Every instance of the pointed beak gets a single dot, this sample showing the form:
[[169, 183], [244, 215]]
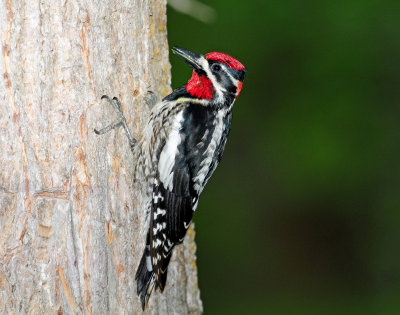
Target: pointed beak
[[190, 57]]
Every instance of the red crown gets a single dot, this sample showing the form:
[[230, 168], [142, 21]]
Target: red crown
[[229, 60]]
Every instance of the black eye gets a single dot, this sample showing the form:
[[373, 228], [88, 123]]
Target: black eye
[[215, 67]]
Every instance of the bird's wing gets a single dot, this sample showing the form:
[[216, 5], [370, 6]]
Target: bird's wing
[[176, 186]]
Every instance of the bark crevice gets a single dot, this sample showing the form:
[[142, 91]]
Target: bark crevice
[[71, 229]]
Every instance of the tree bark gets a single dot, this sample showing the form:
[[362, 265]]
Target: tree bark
[[71, 234]]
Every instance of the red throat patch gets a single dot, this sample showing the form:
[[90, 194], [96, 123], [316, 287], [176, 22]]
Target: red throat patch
[[200, 86], [239, 88]]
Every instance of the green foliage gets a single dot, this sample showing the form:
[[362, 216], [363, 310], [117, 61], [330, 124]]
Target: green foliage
[[302, 216]]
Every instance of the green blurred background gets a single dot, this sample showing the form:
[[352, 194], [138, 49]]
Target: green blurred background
[[302, 216]]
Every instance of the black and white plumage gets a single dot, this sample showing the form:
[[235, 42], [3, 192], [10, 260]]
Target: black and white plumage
[[181, 145]]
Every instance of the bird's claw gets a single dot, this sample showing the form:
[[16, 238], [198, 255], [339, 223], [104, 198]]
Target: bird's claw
[[115, 102]]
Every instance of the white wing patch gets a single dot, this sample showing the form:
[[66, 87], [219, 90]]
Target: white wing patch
[[167, 156]]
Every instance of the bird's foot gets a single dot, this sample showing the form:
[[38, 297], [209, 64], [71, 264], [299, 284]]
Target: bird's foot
[[120, 122]]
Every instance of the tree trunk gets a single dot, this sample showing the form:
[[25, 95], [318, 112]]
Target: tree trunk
[[71, 235]]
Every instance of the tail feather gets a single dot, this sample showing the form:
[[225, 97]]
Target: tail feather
[[145, 276]]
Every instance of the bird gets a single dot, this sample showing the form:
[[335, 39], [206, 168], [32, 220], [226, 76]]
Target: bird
[[180, 147]]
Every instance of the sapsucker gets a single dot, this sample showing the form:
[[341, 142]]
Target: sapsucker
[[181, 145]]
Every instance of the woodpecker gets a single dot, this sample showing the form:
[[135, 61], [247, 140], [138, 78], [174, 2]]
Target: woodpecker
[[181, 146]]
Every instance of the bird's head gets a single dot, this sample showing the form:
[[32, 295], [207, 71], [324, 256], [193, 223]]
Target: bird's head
[[216, 75]]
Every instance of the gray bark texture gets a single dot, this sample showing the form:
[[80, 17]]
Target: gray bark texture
[[71, 234]]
